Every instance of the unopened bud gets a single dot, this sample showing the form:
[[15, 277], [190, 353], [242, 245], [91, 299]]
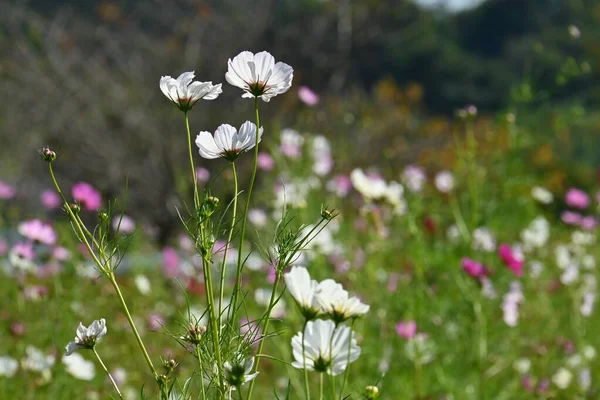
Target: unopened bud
[[102, 216], [47, 154], [327, 214], [371, 392], [75, 208], [212, 201]]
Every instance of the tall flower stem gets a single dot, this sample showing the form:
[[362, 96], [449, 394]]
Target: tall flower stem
[[420, 275], [482, 346], [347, 372], [224, 265], [138, 338], [104, 268], [191, 156], [321, 386], [266, 329], [107, 373], [201, 372], [238, 284], [306, 387]]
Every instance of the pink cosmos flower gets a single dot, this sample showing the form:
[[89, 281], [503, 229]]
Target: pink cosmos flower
[[39, 231], [308, 96], [577, 198], [474, 268], [60, 253], [50, 199], [7, 191], [571, 218], [265, 162], [588, 223], [202, 175], [341, 185], [170, 264], [271, 276], [88, 196], [512, 259], [24, 250], [125, 225], [406, 329]]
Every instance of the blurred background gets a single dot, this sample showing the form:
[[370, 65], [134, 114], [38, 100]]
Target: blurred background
[[388, 76]]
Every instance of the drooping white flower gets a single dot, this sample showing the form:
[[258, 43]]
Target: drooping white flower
[[239, 372], [79, 367], [337, 303], [258, 75], [325, 347], [87, 337], [303, 290], [184, 93], [228, 142]]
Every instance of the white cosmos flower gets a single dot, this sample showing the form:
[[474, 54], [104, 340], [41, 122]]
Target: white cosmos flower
[[184, 93], [8, 366], [228, 142], [370, 188], [239, 372], [303, 290], [337, 303], [325, 347], [79, 367], [87, 337], [258, 75]]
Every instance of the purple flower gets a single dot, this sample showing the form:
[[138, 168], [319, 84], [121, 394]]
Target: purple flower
[[308, 96], [170, 264], [24, 250], [474, 268], [6, 191], [38, 231], [88, 196], [577, 198], [406, 329], [50, 199], [588, 223], [265, 162], [571, 218]]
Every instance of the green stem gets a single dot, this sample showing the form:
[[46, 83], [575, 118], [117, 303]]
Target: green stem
[[201, 372], [138, 338], [190, 153], [482, 345], [306, 388], [460, 221], [238, 284], [321, 386], [347, 372], [224, 265], [107, 373], [265, 330]]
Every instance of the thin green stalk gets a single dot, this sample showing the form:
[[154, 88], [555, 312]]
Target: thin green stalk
[[238, 284], [418, 299], [347, 372], [191, 156], [460, 221], [306, 387], [138, 338], [266, 329], [482, 345], [107, 373], [201, 372], [321, 386], [224, 265]]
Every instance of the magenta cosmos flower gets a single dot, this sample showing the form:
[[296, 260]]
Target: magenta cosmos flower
[[474, 269], [87, 195], [406, 329], [512, 259], [577, 198], [50, 199], [38, 231], [571, 218]]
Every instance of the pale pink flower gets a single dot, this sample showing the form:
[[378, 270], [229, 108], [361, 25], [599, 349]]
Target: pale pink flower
[[414, 178], [124, 224], [170, 264], [50, 199], [341, 185], [202, 175], [571, 218], [7, 191], [308, 96], [588, 223], [3, 247], [155, 321], [271, 276], [60, 253], [38, 231], [265, 162], [577, 198], [86, 195], [406, 329]]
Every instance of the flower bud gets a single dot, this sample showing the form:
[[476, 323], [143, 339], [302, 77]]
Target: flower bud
[[102, 216], [170, 365], [371, 392], [75, 208], [194, 334], [47, 155], [328, 214]]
